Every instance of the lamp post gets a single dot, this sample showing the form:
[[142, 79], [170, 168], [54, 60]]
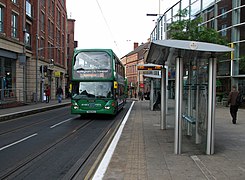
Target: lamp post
[[51, 63], [158, 19]]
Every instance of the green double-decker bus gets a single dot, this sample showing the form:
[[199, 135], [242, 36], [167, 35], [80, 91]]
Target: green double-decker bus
[[98, 82]]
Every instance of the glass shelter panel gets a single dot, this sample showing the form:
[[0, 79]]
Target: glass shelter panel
[[195, 93]]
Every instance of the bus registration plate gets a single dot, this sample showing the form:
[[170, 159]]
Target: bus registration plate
[[91, 111]]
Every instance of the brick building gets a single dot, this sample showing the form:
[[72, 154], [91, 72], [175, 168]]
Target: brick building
[[71, 44], [32, 48], [131, 60]]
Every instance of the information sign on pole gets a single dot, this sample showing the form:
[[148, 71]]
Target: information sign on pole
[[150, 67]]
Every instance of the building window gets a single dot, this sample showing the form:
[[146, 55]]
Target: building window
[[28, 9], [52, 8], [58, 18], [1, 19], [63, 58], [68, 52], [42, 43], [223, 10], [223, 30], [58, 37], [14, 1], [28, 35], [68, 38], [14, 25], [43, 3], [58, 56], [64, 23], [52, 31], [63, 41], [42, 21]]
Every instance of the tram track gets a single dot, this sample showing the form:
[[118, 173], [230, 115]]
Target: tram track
[[41, 121], [28, 161], [79, 166], [86, 166]]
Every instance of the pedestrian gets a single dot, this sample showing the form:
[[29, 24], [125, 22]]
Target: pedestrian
[[140, 95], [47, 93], [59, 94], [232, 101], [157, 104]]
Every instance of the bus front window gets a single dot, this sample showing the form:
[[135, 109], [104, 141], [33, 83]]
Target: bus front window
[[93, 90]]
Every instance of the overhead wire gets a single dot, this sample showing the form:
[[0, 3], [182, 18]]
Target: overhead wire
[[101, 11]]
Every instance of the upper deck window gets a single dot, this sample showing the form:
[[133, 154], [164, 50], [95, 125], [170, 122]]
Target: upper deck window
[[92, 65], [92, 60]]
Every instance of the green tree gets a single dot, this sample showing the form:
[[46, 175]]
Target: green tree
[[191, 29]]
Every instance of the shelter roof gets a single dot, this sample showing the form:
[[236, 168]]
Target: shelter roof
[[162, 51]]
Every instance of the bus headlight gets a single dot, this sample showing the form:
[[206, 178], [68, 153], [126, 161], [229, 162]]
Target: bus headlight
[[75, 106], [109, 105]]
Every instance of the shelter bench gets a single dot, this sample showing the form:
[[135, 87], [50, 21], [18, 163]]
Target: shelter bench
[[189, 122]]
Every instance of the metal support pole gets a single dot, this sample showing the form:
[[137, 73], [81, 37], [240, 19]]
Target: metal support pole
[[163, 99], [166, 87], [138, 83], [198, 136], [37, 38], [178, 105], [42, 84], [189, 110], [152, 94], [211, 105]]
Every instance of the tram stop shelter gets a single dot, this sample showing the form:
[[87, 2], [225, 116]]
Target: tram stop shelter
[[154, 69], [195, 65]]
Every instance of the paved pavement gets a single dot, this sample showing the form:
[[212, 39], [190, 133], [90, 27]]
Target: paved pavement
[[146, 152]]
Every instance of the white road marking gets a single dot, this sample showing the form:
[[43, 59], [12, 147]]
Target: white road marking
[[60, 123], [19, 141], [99, 174], [203, 168], [241, 168]]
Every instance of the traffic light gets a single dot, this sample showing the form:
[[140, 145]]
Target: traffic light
[[41, 68], [45, 68]]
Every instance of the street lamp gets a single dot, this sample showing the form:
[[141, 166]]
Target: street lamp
[[158, 19]]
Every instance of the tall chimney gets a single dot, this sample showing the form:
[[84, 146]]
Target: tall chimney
[[136, 45]]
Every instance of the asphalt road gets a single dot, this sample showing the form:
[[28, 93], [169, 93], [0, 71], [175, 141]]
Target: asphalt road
[[50, 145]]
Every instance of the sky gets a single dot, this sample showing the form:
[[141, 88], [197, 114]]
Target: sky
[[114, 24]]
